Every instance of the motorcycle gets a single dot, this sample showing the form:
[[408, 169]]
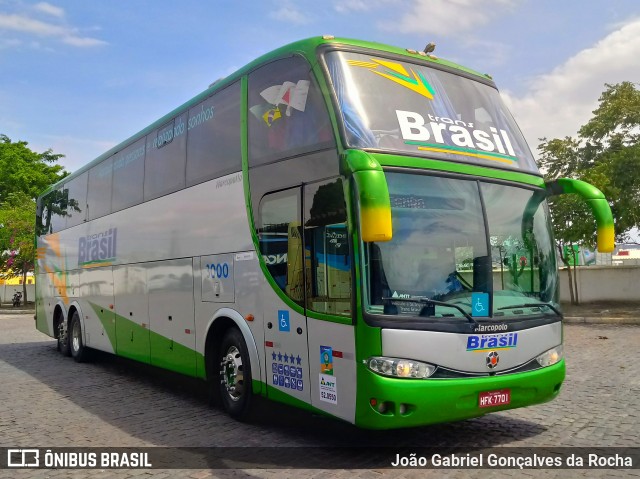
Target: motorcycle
[[17, 299]]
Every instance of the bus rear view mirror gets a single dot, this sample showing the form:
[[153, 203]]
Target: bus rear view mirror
[[374, 204], [596, 201]]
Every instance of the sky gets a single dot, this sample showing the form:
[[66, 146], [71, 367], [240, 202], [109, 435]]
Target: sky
[[79, 76]]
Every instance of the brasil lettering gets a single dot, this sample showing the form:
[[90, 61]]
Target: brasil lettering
[[98, 248], [487, 342], [444, 135]]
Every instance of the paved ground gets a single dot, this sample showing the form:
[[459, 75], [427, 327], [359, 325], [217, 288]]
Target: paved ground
[[602, 312], [50, 401]]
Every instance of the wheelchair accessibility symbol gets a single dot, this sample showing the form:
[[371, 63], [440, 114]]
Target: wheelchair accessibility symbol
[[480, 304], [283, 321]]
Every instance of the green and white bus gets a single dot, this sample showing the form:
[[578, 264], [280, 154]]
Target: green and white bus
[[347, 227]]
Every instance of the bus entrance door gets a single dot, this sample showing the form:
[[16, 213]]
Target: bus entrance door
[[286, 349]]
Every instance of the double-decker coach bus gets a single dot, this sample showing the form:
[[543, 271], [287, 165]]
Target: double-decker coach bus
[[347, 227]]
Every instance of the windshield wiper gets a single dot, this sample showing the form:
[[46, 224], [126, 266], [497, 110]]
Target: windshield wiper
[[533, 305], [425, 300]]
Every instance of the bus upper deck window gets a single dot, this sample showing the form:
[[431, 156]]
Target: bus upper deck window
[[287, 113]]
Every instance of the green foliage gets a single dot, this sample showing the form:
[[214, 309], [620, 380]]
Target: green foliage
[[572, 220], [606, 153], [25, 174], [25, 171], [17, 223], [616, 118], [560, 158]]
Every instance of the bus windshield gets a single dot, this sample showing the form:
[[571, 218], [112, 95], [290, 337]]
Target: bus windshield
[[456, 237], [422, 111]]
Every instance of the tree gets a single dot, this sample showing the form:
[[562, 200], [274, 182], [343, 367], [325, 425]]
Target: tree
[[606, 153], [26, 171], [17, 218], [25, 174]]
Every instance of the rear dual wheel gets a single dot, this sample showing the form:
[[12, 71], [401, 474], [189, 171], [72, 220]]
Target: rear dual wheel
[[63, 345], [76, 343]]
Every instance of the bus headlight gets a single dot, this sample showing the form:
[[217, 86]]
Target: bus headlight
[[400, 368], [550, 357]]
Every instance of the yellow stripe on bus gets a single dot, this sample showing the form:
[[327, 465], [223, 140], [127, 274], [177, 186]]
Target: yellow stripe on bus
[[464, 153]]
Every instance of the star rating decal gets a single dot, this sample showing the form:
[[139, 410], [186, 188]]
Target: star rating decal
[[285, 374], [286, 358]]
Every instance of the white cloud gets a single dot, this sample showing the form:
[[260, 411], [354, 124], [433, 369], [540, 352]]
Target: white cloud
[[49, 9], [444, 17], [346, 6], [78, 151], [558, 103], [24, 24], [8, 43], [288, 13]]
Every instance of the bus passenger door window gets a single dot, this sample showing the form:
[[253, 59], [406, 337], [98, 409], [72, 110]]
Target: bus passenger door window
[[281, 242], [327, 259], [285, 325]]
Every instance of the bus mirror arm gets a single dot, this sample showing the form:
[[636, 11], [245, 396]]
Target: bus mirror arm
[[596, 201]]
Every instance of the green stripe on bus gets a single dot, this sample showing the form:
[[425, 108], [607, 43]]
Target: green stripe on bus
[[167, 353]]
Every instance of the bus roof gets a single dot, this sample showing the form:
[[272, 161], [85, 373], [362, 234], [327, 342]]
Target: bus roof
[[306, 47]]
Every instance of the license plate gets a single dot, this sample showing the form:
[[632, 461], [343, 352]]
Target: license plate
[[494, 398]]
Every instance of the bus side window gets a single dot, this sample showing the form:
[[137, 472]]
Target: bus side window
[[281, 242], [287, 114], [77, 200], [54, 211], [128, 176], [213, 142], [165, 159], [99, 190], [327, 259], [43, 215]]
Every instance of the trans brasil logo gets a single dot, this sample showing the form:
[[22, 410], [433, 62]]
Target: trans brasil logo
[[98, 249], [440, 134], [490, 342], [398, 74]]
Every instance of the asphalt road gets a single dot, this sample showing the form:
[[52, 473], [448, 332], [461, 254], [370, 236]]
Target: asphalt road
[[47, 400]]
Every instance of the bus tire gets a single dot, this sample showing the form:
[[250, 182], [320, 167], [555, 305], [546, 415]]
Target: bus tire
[[78, 349], [64, 345], [235, 375]]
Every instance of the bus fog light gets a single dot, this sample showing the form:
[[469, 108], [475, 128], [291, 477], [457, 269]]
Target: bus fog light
[[550, 357], [400, 368]]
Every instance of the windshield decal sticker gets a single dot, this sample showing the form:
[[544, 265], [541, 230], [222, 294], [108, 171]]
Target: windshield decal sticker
[[447, 135], [398, 74], [268, 113], [293, 95], [480, 302], [466, 141]]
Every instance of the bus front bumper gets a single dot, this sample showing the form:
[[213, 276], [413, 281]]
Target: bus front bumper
[[390, 403]]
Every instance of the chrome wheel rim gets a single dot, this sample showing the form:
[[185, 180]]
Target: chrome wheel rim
[[75, 336], [231, 373]]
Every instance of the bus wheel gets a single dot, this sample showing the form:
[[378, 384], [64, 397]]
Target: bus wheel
[[63, 340], [235, 374], [78, 349]]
